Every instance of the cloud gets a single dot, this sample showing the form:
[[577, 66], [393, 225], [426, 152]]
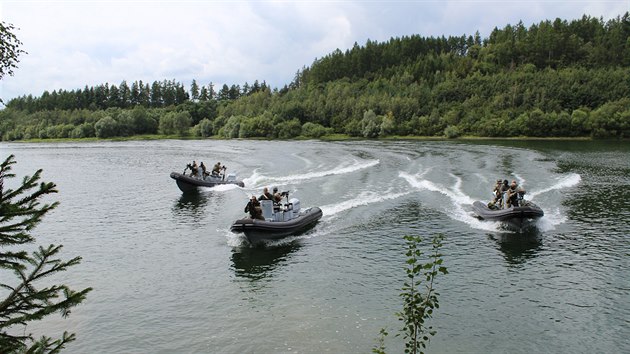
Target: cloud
[[71, 44]]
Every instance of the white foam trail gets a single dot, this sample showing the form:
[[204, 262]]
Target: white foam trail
[[338, 171], [482, 178], [569, 181], [233, 239], [222, 187], [306, 161], [520, 180], [256, 179], [551, 220], [365, 198], [455, 195], [253, 179], [458, 201]]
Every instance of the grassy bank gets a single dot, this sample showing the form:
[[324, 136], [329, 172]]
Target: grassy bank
[[331, 137]]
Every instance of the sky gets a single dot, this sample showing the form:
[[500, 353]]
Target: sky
[[74, 43]]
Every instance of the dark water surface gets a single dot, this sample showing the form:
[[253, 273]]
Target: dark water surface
[[169, 277]]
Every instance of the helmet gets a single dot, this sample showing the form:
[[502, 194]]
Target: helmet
[[275, 189]]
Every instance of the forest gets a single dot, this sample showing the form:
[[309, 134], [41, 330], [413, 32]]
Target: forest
[[552, 79]]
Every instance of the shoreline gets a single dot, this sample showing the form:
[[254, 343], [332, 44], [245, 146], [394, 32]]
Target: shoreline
[[330, 138]]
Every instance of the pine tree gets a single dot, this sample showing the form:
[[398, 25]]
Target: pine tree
[[21, 302], [194, 90]]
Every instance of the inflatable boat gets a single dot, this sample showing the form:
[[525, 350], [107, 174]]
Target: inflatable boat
[[277, 221], [525, 211], [189, 183]]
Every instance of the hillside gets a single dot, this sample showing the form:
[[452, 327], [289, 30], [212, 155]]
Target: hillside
[[555, 78]]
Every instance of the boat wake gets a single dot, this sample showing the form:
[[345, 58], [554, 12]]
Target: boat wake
[[571, 180], [459, 201], [257, 180], [551, 219], [221, 187], [364, 198], [239, 240]]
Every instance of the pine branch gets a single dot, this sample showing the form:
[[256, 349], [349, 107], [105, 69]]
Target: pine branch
[[20, 212]]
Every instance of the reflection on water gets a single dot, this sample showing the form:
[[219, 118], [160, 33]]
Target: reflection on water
[[518, 247], [331, 290], [195, 204], [191, 201], [259, 263]]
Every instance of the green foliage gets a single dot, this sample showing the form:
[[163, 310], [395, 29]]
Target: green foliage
[[388, 125], [419, 297], [232, 127], [611, 119], [260, 126], [84, 130], [452, 132], [371, 125], [313, 130], [106, 127], [9, 49], [288, 129], [23, 302], [205, 127], [520, 81], [175, 123]]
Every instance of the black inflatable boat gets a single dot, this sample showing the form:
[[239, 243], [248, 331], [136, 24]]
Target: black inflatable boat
[[279, 221], [527, 210], [187, 183]]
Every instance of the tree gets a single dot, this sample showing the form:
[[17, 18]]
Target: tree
[[418, 304], [194, 90], [175, 123], [371, 124], [314, 130], [9, 50], [205, 127], [22, 302], [106, 127]]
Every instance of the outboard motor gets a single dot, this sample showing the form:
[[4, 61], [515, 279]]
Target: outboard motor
[[295, 203]]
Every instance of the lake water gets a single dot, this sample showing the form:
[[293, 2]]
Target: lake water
[[169, 276]]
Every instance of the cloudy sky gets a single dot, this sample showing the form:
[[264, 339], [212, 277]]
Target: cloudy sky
[[75, 43]]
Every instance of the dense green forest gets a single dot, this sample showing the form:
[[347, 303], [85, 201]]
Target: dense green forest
[[553, 79]]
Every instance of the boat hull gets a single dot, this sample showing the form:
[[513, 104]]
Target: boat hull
[[190, 184], [527, 212], [259, 231]]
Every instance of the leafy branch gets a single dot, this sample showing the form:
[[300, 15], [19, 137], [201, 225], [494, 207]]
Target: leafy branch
[[419, 297]]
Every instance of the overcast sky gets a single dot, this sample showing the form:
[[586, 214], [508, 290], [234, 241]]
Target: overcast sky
[[71, 44]]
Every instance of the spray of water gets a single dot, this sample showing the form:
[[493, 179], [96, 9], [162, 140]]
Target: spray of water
[[458, 200], [222, 187], [363, 199], [257, 180], [568, 181]]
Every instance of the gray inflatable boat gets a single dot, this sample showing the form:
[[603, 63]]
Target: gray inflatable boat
[[279, 221]]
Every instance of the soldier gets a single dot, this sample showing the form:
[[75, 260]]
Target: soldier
[[513, 194], [277, 196], [266, 195], [204, 172], [497, 201], [253, 207], [216, 170], [194, 169]]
